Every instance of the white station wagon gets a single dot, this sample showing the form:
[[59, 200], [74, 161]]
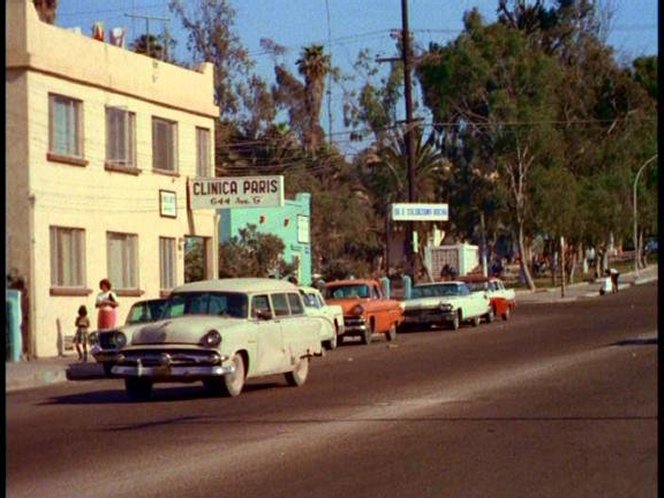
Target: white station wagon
[[453, 303], [222, 332], [331, 314]]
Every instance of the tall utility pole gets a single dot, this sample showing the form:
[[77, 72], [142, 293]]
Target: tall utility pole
[[410, 152], [329, 76]]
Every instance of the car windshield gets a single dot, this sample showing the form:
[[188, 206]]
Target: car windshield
[[477, 286], [435, 291], [146, 311], [230, 304], [347, 291]]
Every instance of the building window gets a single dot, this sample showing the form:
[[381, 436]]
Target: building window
[[164, 145], [65, 127], [67, 257], [167, 274], [122, 260], [120, 137], [203, 152]]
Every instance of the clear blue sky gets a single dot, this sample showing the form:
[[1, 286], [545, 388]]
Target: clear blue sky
[[353, 25]]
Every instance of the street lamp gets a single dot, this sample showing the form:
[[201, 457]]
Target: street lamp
[[636, 244]]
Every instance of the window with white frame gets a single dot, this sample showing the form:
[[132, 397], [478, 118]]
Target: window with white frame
[[67, 257], [203, 152], [164, 145], [122, 265], [120, 137], [65, 130], [167, 259]]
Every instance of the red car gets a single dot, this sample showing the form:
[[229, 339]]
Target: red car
[[366, 309], [503, 300]]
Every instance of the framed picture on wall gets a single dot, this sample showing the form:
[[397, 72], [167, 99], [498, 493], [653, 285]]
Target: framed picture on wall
[[168, 204]]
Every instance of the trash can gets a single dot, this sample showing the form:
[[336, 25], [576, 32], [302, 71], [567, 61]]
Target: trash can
[[13, 328]]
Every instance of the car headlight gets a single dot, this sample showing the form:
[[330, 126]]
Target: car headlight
[[445, 307], [212, 339], [120, 339], [358, 309]]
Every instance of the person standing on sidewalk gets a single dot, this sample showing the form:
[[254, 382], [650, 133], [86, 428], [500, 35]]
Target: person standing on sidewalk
[[614, 280], [106, 304], [607, 284], [81, 338]]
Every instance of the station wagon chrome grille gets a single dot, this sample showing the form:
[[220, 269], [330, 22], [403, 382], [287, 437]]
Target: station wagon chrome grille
[[171, 357]]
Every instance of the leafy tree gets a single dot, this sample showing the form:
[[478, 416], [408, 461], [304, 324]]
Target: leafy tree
[[154, 46], [194, 260], [288, 93], [374, 105], [253, 254], [273, 151], [497, 91], [242, 96], [344, 225], [645, 73]]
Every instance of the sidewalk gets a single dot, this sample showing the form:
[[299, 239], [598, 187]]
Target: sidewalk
[[46, 371], [584, 289]]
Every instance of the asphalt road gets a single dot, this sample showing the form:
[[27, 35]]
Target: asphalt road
[[559, 401]]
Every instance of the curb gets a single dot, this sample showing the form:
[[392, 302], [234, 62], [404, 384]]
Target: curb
[[35, 374], [557, 299]]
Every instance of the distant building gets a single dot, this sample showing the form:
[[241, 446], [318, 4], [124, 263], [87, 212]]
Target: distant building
[[100, 144], [290, 223]]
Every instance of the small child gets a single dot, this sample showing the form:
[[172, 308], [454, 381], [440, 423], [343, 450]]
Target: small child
[[81, 337]]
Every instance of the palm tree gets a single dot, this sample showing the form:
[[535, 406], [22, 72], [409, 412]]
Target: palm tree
[[314, 65], [385, 175]]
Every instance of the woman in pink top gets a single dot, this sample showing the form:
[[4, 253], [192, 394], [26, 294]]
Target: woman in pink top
[[107, 304]]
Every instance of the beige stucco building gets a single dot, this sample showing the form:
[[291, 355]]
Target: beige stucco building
[[100, 143]]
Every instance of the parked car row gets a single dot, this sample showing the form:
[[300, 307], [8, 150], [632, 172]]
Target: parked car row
[[223, 332], [469, 299]]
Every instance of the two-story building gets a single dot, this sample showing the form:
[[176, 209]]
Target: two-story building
[[100, 143]]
